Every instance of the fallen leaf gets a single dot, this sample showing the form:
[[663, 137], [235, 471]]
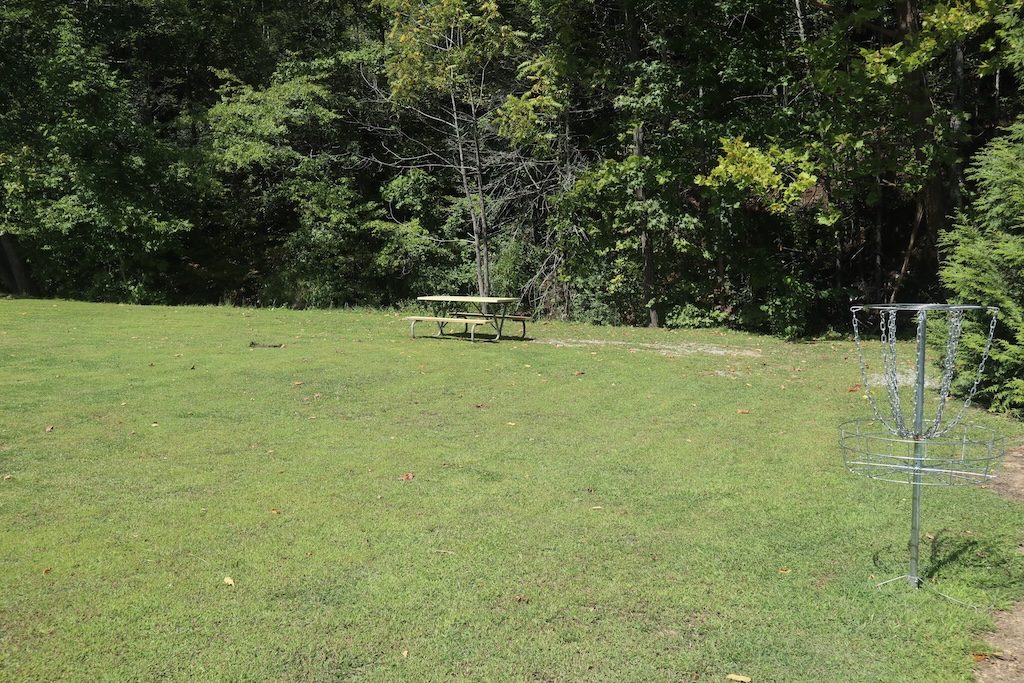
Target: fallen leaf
[[155, 424], [8, 476], [579, 372], [785, 571], [229, 581], [979, 656], [275, 511], [737, 677], [298, 383], [981, 554], [479, 405], [407, 477], [742, 411], [854, 388], [930, 537], [49, 428], [47, 571], [405, 653], [597, 507], [520, 598]]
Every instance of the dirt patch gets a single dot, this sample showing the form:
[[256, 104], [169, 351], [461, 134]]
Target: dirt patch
[[664, 349], [1010, 481], [1008, 640]]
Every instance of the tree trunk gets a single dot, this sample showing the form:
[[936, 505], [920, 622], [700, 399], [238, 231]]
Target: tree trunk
[[933, 199], [918, 216], [956, 124], [483, 253], [477, 216], [648, 283], [14, 272]]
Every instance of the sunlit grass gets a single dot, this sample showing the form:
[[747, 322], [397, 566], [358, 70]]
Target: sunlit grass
[[593, 504]]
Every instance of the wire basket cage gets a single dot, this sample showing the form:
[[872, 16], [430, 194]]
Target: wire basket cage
[[967, 454], [906, 447]]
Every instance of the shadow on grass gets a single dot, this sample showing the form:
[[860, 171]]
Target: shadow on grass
[[965, 557], [972, 557]]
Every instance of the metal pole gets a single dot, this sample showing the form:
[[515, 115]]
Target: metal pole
[[915, 523]]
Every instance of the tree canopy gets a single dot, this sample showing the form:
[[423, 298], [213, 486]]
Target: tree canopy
[[754, 163]]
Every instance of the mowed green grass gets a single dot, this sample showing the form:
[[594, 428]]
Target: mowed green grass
[[593, 504]]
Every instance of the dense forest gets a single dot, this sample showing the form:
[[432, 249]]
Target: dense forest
[[753, 163]]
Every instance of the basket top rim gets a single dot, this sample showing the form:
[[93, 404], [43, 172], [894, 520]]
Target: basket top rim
[[923, 307]]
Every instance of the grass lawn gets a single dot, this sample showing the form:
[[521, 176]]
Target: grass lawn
[[222, 494]]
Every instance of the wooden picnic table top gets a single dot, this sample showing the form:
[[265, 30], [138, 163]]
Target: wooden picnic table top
[[442, 298]]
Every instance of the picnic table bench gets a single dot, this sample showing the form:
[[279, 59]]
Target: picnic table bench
[[442, 321], [483, 309]]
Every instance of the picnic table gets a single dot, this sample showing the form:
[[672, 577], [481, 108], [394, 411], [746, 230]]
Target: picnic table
[[469, 311]]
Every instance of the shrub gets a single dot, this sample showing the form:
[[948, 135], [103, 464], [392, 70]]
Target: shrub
[[984, 264]]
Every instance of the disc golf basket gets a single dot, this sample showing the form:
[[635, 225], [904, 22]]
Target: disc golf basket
[[926, 447]]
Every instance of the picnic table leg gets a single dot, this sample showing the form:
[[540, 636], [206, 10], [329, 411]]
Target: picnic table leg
[[440, 311], [500, 320]]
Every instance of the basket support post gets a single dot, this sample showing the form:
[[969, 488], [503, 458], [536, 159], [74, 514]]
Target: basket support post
[[915, 520]]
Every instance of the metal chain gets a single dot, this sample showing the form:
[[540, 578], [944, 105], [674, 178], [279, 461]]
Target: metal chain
[[956, 319], [892, 373], [897, 424], [864, 373], [977, 379], [863, 370]]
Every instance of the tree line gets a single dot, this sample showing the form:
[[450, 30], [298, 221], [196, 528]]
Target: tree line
[[753, 163]]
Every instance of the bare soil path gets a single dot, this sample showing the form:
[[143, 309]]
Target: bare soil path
[[1008, 639]]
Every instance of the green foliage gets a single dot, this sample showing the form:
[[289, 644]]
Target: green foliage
[[984, 252], [90, 190], [749, 163], [334, 246], [525, 119], [324, 261], [692, 316], [442, 46], [600, 221], [253, 127], [984, 264], [421, 243], [778, 179], [942, 26]]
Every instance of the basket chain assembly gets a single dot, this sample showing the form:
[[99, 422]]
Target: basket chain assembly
[[917, 454], [896, 423]]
